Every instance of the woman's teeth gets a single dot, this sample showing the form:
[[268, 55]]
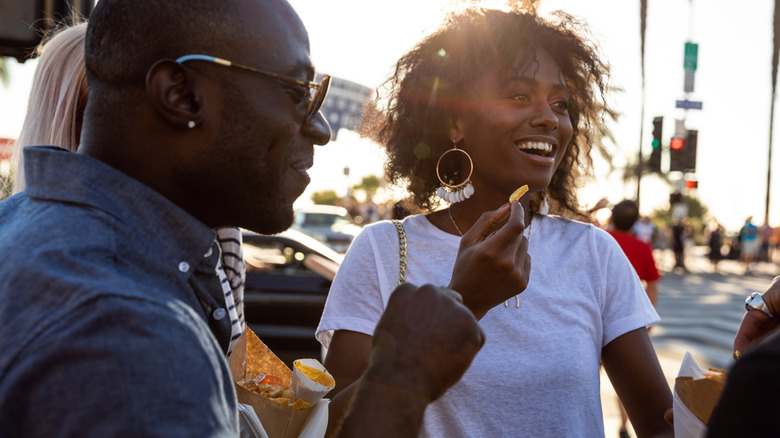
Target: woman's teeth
[[537, 147]]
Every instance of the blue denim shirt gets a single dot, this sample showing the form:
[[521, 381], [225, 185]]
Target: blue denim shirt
[[111, 314]]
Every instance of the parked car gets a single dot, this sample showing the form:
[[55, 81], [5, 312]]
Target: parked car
[[328, 223], [288, 276]]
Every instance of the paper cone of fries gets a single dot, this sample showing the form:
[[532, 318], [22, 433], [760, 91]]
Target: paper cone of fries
[[696, 391], [264, 382]]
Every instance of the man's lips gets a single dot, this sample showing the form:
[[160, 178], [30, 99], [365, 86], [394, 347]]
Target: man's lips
[[301, 168]]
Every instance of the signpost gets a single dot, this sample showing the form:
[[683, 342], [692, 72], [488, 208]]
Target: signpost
[[690, 62], [691, 56], [688, 104]]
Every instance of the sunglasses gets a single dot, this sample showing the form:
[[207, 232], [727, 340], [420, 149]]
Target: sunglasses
[[316, 92]]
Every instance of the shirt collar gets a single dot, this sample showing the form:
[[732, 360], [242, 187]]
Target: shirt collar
[[56, 174]]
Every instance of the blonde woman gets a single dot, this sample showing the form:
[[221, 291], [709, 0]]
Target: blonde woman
[[57, 99], [55, 113]]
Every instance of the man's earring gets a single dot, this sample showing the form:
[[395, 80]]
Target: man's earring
[[191, 124], [456, 192]]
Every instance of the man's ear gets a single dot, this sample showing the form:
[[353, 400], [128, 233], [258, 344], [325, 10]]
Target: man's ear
[[174, 94]]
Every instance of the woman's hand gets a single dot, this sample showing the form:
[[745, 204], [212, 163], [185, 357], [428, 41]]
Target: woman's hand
[[492, 264]]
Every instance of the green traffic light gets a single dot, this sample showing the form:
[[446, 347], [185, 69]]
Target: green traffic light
[[656, 143]]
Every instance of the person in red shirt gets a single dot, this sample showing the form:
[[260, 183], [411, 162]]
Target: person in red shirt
[[640, 254]]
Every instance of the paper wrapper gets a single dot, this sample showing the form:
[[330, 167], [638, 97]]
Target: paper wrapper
[[305, 387], [251, 357], [695, 397]]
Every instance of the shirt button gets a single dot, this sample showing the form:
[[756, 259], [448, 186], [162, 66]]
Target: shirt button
[[219, 314], [208, 254], [184, 267]]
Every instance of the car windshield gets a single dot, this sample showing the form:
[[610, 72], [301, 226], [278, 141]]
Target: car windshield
[[323, 220], [314, 244]]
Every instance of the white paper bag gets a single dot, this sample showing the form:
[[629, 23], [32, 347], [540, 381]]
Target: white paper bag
[[686, 425], [249, 425]]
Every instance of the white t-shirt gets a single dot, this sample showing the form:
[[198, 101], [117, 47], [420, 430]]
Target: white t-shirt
[[538, 372]]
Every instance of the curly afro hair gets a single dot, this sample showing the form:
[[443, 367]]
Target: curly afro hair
[[411, 112]]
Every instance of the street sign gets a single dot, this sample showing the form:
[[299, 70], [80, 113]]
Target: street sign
[[691, 56], [679, 128], [689, 79], [688, 104]]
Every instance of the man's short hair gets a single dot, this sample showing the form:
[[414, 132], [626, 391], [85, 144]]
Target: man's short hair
[[126, 37], [624, 214]]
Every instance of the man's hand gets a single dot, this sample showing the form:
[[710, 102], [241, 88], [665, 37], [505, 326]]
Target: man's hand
[[424, 342], [755, 324], [493, 264]]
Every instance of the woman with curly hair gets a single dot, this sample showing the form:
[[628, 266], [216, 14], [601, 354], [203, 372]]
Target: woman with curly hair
[[489, 102]]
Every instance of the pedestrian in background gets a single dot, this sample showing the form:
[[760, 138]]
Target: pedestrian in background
[[624, 216], [775, 243], [644, 230], [639, 252], [749, 243], [490, 101], [680, 235], [714, 237], [765, 250]]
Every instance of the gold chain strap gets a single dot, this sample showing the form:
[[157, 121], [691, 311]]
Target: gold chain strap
[[401, 249]]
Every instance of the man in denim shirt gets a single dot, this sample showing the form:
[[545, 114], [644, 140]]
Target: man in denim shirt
[[113, 321], [112, 318]]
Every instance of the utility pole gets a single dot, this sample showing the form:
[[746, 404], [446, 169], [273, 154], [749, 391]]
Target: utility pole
[[684, 144], [642, 32], [775, 51]]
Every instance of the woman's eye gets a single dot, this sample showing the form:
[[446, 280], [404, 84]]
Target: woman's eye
[[562, 105], [521, 97]]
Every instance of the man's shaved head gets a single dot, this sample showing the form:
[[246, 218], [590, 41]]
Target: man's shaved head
[[227, 145], [125, 37]]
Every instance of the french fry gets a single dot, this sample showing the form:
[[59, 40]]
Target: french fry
[[518, 193]]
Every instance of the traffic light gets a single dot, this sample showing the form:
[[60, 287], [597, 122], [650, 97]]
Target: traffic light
[[23, 23], [654, 163], [683, 152], [676, 155], [689, 157]]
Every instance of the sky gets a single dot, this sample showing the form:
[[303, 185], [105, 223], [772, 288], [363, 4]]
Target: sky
[[359, 40]]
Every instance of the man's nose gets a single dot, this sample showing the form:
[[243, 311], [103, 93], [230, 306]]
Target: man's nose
[[318, 129]]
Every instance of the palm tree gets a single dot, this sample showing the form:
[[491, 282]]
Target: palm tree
[[633, 169], [642, 32], [775, 52]]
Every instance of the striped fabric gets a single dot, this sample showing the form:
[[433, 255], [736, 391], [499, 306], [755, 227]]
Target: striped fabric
[[230, 270]]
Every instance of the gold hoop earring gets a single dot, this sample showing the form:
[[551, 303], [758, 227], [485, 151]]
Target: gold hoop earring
[[457, 192]]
